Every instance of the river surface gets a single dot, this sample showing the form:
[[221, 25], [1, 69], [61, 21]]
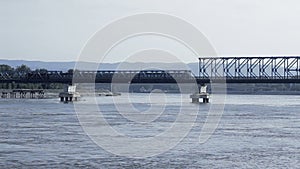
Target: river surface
[[255, 131]]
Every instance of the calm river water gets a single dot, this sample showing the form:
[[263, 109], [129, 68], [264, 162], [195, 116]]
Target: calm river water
[[255, 131]]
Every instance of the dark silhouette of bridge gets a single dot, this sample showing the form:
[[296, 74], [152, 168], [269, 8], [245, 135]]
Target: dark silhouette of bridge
[[211, 69]]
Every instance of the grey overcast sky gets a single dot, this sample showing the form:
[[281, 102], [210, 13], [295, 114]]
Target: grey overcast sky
[[56, 30]]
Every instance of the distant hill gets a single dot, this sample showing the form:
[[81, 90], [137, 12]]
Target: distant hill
[[38, 64], [64, 66]]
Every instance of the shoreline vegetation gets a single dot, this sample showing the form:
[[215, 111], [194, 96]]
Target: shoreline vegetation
[[22, 70]]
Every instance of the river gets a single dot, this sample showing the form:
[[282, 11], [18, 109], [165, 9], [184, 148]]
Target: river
[[255, 131]]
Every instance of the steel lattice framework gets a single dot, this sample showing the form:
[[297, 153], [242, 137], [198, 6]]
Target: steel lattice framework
[[250, 69], [211, 69], [105, 76]]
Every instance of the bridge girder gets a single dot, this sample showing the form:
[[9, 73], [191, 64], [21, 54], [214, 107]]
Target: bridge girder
[[211, 69]]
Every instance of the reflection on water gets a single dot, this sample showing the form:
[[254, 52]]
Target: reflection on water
[[254, 132]]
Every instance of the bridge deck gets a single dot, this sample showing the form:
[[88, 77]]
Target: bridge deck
[[211, 69]]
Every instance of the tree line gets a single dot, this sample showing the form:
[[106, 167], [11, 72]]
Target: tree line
[[25, 69]]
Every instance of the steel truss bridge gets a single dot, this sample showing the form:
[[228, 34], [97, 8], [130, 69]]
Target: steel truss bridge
[[251, 69], [211, 69]]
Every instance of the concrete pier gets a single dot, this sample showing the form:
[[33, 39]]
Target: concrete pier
[[4, 95], [22, 94], [203, 94], [68, 97], [12, 95], [195, 97], [69, 94]]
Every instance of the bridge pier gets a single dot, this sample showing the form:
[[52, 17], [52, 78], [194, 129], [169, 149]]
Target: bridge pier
[[32, 94], [12, 95], [22, 94], [41, 94], [68, 97], [4, 95], [202, 94], [69, 94]]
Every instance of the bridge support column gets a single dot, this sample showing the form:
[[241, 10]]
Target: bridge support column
[[69, 94], [4, 95], [13, 95], [202, 94], [41, 94], [195, 100], [22, 94], [32, 95]]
